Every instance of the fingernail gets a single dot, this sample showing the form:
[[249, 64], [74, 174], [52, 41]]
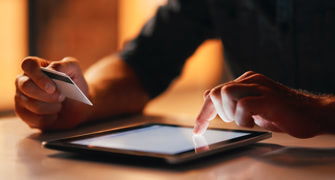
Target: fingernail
[[61, 98], [49, 88]]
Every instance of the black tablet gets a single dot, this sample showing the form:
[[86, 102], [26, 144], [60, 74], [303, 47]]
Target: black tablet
[[170, 143]]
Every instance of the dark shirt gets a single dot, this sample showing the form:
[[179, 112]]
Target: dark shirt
[[290, 41]]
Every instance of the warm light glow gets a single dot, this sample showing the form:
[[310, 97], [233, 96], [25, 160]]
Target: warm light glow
[[203, 70], [13, 40]]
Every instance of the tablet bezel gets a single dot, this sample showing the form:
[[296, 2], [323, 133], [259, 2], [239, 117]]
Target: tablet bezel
[[66, 145]]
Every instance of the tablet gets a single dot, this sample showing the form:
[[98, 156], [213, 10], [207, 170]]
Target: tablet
[[170, 143]]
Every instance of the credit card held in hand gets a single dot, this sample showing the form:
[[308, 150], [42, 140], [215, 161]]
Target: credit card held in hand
[[66, 86]]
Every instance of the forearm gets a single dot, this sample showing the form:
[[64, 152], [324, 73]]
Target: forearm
[[114, 89]]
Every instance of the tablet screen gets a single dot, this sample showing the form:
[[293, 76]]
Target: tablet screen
[[159, 139]]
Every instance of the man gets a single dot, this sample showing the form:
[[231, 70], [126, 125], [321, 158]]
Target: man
[[289, 41]]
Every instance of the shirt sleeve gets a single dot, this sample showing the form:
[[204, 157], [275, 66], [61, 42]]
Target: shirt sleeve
[[157, 55]]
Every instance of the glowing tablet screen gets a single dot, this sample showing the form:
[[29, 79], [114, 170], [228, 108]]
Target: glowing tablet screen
[[159, 139]]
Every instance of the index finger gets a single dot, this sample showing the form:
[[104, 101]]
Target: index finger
[[31, 67], [206, 114]]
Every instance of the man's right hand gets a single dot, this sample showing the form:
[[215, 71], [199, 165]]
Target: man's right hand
[[40, 104]]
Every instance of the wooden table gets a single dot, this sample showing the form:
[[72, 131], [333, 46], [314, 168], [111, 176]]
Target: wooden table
[[281, 157]]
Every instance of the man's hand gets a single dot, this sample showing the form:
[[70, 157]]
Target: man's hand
[[255, 99], [40, 104]]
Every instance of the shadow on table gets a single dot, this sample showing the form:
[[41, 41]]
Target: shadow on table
[[300, 156], [268, 153]]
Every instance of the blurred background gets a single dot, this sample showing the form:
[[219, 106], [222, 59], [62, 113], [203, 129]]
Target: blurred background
[[88, 30]]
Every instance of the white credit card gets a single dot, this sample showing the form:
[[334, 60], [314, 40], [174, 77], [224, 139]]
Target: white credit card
[[66, 86]]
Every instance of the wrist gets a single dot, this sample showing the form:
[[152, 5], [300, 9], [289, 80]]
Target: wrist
[[113, 89]]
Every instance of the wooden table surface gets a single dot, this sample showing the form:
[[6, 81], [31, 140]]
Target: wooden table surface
[[281, 157]]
